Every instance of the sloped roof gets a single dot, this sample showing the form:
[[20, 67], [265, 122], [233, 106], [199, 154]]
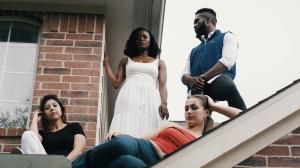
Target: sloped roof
[[242, 136]]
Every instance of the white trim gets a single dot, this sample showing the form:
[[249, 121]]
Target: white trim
[[243, 136], [101, 127]]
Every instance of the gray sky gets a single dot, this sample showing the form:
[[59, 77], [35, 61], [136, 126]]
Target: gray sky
[[269, 53]]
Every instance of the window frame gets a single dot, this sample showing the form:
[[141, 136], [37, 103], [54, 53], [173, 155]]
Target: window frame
[[38, 24]]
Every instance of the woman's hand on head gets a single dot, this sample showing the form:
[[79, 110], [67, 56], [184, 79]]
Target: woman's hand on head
[[211, 102], [163, 111], [36, 116], [113, 134]]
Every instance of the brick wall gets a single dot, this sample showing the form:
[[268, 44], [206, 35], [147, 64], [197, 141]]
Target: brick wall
[[69, 66], [284, 152]]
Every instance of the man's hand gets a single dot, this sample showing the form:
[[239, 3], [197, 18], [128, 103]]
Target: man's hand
[[197, 84]]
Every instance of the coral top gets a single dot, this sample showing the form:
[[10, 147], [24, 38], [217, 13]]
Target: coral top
[[172, 138]]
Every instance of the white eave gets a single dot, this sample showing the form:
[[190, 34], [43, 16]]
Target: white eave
[[244, 135]]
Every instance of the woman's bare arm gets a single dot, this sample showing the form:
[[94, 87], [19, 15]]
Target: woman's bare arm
[[119, 77]]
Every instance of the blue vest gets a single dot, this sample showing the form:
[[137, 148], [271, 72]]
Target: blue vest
[[207, 54]]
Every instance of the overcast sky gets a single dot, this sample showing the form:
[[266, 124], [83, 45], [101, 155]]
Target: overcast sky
[[269, 54]]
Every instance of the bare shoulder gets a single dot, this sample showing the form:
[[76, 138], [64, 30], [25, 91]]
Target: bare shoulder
[[161, 63]]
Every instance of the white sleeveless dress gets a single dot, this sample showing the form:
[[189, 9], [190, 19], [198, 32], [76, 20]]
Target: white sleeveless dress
[[136, 108]]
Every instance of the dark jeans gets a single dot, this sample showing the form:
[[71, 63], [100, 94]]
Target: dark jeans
[[121, 152], [224, 89]]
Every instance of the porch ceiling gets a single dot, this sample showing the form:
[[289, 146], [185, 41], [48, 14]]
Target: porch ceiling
[[76, 6], [65, 2]]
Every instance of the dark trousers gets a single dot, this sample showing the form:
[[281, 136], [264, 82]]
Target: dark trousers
[[121, 152], [224, 89]]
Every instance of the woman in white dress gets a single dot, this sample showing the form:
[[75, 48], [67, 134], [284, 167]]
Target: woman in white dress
[[141, 104]]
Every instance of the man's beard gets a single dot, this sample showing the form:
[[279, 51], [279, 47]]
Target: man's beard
[[200, 31]]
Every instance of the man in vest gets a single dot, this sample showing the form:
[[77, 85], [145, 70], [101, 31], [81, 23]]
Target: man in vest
[[211, 68]]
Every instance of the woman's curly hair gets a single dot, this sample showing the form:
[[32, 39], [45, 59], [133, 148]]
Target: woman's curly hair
[[131, 49]]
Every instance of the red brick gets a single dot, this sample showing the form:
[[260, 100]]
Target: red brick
[[94, 95], [42, 42], [283, 162], [11, 132], [73, 23], [41, 93], [58, 56], [90, 26], [93, 110], [64, 86], [60, 42], [41, 56], [64, 100], [91, 126], [51, 49], [275, 150], [254, 161], [57, 71], [97, 51], [69, 64], [35, 107], [3, 131], [99, 24], [10, 140], [84, 102], [82, 23], [54, 22], [295, 150], [86, 58], [75, 79], [36, 85], [53, 35], [82, 117], [98, 37], [9, 147], [90, 134], [74, 94], [92, 87], [76, 109], [79, 36], [64, 22], [35, 100], [74, 50], [96, 65], [88, 44], [89, 72], [95, 79], [289, 140], [46, 22], [39, 70], [90, 142], [50, 63], [47, 78]]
